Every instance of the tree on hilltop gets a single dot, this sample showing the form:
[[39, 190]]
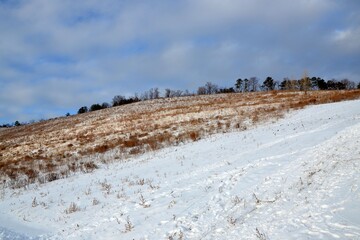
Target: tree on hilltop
[[269, 84], [83, 109], [238, 85], [118, 100], [253, 84], [95, 107], [211, 88], [305, 83], [105, 105]]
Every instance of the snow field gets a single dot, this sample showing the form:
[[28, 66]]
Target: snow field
[[297, 178]]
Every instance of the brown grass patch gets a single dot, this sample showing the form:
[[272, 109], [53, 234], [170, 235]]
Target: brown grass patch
[[132, 142], [194, 136], [101, 148]]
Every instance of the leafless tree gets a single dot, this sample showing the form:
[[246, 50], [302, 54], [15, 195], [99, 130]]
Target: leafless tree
[[253, 84], [211, 88], [201, 91], [173, 93], [246, 85], [305, 82], [348, 84], [152, 93], [167, 93]]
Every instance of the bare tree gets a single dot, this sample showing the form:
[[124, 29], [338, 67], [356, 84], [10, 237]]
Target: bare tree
[[173, 93], [348, 84], [253, 84], [152, 93], [145, 96], [167, 93], [305, 82], [118, 100], [156, 93], [186, 93], [246, 85], [211, 88], [201, 91]]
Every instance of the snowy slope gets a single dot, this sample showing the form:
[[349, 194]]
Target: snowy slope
[[297, 178]]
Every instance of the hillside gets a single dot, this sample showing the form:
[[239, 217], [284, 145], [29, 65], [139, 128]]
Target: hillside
[[295, 178], [55, 149]]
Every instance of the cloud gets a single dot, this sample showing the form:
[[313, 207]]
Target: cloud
[[56, 56], [347, 40]]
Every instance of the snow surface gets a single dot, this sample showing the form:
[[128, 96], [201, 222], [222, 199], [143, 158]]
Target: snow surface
[[297, 178]]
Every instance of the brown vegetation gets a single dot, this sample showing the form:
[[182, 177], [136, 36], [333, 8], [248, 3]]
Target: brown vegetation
[[54, 149]]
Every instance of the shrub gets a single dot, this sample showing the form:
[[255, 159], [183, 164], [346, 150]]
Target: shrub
[[83, 109], [194, 135], [95, 107], [72, 208]]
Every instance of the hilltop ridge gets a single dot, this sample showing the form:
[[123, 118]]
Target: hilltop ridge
[[54, 149]]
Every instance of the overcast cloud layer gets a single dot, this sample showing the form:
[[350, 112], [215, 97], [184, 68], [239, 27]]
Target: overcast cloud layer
[[56, 56]]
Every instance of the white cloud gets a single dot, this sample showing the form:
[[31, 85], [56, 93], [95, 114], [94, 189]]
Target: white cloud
[[179, 44], [347, 39]]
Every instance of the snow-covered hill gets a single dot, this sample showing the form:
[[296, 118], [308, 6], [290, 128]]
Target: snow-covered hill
[[296, 178], [49, 150]]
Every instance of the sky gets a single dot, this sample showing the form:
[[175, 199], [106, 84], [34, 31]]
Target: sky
[[59, 55]]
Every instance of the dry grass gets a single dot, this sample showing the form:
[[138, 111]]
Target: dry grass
[[50, 150], [72, 208]]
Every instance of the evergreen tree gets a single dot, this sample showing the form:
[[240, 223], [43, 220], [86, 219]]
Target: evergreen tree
[[83, 109], [269, 84], [95, 107], [238, 85], [322, 85]]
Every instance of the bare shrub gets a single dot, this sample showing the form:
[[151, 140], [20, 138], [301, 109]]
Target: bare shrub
[[89, 167], [236, 200], [178, 235], [135, 151], [34, 202], [87, 191], [231, 220], [140, 181], [31, 175], [152, 143], [49, 177], [143, 202], [106, 187], [95, 202], [260, 235], [128, 225], [72, 208]]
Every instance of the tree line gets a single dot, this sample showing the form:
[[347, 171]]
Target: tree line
[[251, 84], [241, 85]]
